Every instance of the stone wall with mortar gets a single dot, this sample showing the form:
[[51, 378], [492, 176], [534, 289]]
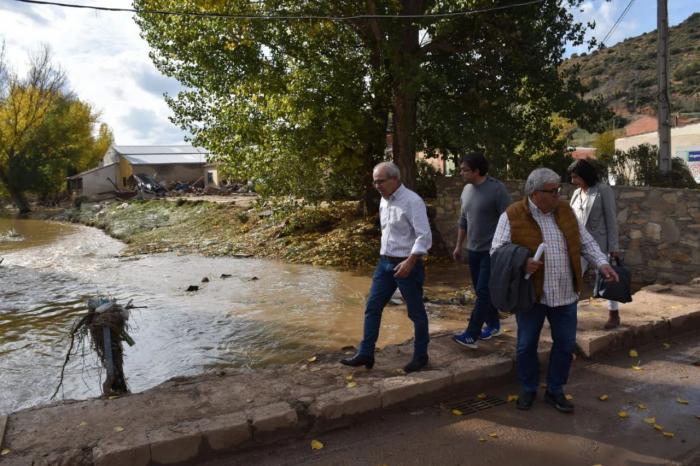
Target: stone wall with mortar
[[659, 227]]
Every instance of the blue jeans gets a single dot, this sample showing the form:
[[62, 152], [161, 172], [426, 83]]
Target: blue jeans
[[480, 268], [383, 286], [562, 320]]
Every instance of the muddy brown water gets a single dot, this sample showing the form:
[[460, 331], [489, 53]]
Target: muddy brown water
[[265, 313]]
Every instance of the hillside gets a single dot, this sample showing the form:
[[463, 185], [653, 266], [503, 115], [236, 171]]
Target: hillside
[[624, 75]]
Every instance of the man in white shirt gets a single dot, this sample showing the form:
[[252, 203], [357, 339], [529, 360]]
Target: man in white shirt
[[541, 217], [406, 238]]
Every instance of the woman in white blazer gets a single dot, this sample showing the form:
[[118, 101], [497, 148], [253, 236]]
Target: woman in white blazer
[[594, 205]]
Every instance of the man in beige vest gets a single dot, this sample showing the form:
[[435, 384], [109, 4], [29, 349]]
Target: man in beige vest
[[541, 217]]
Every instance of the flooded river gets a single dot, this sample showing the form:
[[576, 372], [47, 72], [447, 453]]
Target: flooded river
[[265, 313]]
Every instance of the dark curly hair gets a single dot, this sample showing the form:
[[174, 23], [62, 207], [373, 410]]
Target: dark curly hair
[[585, 170]]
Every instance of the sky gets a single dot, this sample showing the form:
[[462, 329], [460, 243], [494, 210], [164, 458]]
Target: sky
[[107, 64]]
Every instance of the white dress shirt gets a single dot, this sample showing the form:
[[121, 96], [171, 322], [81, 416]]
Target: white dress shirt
[[558, 287], [405, 227]]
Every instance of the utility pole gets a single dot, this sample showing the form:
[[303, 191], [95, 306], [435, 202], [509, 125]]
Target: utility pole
[[664, 100]]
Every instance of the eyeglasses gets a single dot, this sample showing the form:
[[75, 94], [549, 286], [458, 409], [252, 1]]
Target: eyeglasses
[[555, 191], [380, 181]]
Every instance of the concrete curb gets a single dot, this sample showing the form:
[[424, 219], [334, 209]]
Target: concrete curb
[[336, 401]]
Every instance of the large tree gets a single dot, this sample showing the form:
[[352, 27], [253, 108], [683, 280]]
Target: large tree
[[46, 132], [294, 101]]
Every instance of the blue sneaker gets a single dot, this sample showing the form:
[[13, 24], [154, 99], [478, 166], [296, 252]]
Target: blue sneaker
[[489, 332], [465, 340]]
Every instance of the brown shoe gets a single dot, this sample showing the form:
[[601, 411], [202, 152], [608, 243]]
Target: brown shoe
[[613, 320]]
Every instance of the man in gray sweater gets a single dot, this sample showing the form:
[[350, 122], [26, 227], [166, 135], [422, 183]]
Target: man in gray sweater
[[484, 199]]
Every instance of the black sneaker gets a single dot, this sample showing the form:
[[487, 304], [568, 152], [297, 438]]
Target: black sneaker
[[525, 400], [559, 402]]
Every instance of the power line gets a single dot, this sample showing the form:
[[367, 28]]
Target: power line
[[614, 26], [280, 17]]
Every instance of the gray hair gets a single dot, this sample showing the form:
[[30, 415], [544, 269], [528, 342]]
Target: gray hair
[[390, 168], [538, 178]]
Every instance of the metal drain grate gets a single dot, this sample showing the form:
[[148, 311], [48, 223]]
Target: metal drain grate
[[473, 405]]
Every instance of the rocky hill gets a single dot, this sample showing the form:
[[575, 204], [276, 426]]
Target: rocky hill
[[624, 75]]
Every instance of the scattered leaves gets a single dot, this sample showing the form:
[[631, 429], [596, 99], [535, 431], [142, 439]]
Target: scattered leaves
[[316, 445], [569, 397], [650, 420], [641, 406], [481, 396], [351, 384], [665, 345], [118, 429], [512, 398], [658, 427], [669, 434], [5, 451], [457, 412], [349, 377], [637, 368], [82, 424], [681, 401], [623, 414], [633, 353], [493, 435], [482, 439], [312, 359], [603, 397]]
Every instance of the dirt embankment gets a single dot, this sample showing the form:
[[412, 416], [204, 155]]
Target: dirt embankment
[[331, 235]]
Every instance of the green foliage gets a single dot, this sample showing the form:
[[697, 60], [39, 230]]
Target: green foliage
[[301, 107], [45, 133], [639, 167], [425, 182], [605, 144]]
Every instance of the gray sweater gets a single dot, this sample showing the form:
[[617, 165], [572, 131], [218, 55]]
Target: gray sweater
[[482, 205]]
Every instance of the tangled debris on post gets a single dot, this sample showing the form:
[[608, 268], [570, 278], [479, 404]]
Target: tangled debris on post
[[107, 324]]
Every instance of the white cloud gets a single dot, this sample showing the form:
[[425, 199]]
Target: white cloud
[[106, 63]]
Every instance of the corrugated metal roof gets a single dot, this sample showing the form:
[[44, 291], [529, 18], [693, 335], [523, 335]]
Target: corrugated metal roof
[[158, 155]]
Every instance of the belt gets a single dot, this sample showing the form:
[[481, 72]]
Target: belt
[[393, 259]]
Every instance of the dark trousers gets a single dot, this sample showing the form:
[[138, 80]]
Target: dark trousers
[[562, 320], [383, 286], [480, 268]]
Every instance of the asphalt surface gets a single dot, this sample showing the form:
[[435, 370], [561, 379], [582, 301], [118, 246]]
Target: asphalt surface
[[664, 384]]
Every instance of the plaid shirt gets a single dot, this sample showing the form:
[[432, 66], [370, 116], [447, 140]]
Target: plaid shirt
[[558, 287]]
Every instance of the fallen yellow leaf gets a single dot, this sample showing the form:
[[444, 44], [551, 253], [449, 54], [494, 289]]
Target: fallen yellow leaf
[[569, 397], [682, 401], [637, 368], [512, 398], [312, 359], [669, 434], [119, 429], [316, 445], [665, 345], [633, 353], [113, 397], [5, 451], [641, 406], [82, 424], [481, 396], [349, 377], [493, 435], [603, 397], [457, 412], [658, 427], [650, 420], [351, 384], [482, 439], [623, 414]]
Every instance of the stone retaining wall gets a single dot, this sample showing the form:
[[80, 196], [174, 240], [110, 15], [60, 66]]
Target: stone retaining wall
[[659, 227]]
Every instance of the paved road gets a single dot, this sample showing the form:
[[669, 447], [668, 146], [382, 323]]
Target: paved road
[[502, 435]]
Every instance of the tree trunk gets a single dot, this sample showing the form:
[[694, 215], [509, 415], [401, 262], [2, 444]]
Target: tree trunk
[[17, 195], [404, 144], [405, 69]]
